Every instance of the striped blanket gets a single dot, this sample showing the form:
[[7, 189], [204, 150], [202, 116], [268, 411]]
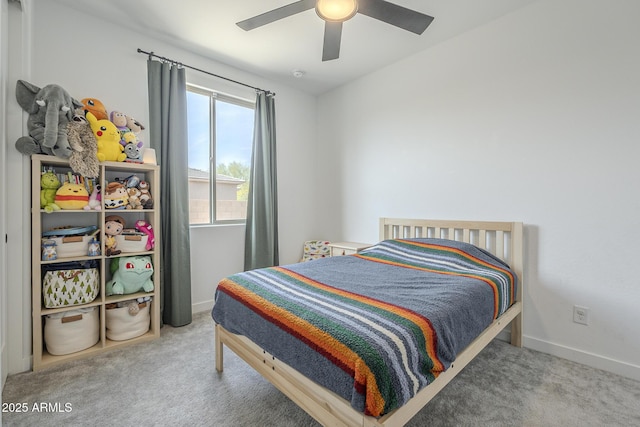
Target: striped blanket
[[376, 327]]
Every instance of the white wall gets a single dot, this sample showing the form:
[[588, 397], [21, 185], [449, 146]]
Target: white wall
[[92, 58], [18, 259], [534, 117]]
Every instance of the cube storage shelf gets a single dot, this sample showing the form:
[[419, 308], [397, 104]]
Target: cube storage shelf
[[43, 221]]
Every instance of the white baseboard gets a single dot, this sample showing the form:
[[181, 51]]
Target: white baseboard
[[618, 367], [199, 307]]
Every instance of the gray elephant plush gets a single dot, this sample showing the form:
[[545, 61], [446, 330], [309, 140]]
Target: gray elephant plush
[[50, 109]]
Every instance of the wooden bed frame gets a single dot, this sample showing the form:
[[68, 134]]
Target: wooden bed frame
[[503, 239]]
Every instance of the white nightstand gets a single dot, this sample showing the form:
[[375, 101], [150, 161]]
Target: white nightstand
[[346, 248]]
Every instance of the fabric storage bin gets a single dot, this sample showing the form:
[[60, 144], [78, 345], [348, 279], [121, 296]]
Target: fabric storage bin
[[131, 243], [315, 249], [71, 331], [71, 283], [124, 323], [71, 246]]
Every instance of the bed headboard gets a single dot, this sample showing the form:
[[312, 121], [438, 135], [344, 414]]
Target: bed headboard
[[503, 239]]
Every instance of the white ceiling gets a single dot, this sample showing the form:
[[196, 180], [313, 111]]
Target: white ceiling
[[207, 27]]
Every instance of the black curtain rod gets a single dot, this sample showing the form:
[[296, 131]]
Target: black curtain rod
[[151, 54]]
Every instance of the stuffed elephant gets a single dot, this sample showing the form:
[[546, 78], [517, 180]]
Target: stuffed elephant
[[50, 109]]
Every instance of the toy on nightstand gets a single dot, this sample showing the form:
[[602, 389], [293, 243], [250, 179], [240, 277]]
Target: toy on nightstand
[[113, 225], [49, 184], [130, 274]]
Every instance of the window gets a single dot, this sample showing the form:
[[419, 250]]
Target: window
[[220, 141]]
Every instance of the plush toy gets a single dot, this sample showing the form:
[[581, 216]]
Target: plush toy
[[49, 184], [134, 125], [132, 147], [108, 138], [130, 181], [96, 108], [134, 198], [115, 196], [113, 225], [145, 197], [147, 229], [120, 120], [84, 155], [95, 199], [72, 196], [50, 109], [132, 274]]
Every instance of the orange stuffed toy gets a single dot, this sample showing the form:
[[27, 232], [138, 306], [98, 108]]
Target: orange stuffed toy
[[96, 108]]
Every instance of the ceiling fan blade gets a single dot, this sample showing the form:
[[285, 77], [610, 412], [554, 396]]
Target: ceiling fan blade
[[399, 16], [332, 36], [276, 14]]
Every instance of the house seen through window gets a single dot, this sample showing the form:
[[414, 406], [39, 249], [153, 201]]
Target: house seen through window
[[220, 140]]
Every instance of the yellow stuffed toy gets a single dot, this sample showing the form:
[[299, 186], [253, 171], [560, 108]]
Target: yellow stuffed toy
[[108, 139], [72, 196]]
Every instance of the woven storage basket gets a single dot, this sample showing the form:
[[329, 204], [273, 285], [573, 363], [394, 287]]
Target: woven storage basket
[[71, 331], [122, 325], [70, 283]]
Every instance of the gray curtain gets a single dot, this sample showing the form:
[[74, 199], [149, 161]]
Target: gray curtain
[[168, 136], [261, 236]]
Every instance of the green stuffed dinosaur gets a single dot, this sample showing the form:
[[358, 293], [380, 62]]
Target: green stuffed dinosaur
[[49, 184], [130, 274]]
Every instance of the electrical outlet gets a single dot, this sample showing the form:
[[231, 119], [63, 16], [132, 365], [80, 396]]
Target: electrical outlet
[[581, 315]]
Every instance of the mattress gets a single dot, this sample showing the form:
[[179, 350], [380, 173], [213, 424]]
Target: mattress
[[375, 327]]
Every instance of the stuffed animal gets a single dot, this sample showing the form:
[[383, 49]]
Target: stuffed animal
[[134, 198], [134, 125], [84, 155], [145, 197], [49, 184], [132, 147], [147, 229], [95, 199], [96, 108], [50, 109], [115, 196], [132, 274], [72, 196], [108, 138], [120, 120], [113, 225]]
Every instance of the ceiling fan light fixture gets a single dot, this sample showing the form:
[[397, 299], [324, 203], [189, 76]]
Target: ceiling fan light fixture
[[336, 10]]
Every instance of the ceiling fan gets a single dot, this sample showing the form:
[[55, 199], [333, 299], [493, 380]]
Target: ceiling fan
[[335, 12]]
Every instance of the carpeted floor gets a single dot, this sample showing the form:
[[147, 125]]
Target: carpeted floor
[[172, 381]]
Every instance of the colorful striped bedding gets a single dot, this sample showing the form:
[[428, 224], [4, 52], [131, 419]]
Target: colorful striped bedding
[[376, 327]]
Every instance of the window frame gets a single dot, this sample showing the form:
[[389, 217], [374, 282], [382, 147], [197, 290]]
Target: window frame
[[214, 96]]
